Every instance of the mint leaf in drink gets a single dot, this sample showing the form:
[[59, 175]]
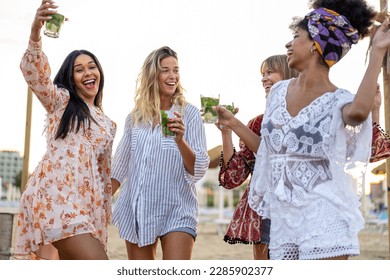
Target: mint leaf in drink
[[164, 124], [164, 118], [58, 17], [208, 113], [229, 107]]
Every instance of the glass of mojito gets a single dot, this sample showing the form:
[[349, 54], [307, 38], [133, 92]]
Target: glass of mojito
[[207, 102], [53, 26], [165, 115], [229, 107]]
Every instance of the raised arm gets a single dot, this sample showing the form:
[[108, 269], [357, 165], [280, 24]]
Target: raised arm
[[43, 14], [237, 166], [227, 119], [35, 65], [357, 111]]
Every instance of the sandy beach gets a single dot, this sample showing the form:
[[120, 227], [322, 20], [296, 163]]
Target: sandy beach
[[209, 245]]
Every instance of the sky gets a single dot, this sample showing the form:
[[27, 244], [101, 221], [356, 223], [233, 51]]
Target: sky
[[220, 45]]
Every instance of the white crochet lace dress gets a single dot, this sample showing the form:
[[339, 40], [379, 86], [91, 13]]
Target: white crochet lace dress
[[306, 174]]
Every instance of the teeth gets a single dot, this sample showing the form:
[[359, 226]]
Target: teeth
[[171, 84], [88, 81]]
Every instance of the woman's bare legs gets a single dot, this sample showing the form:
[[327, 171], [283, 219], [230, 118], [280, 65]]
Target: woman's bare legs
[[141, 253], [80, 247], [174, 245], [177, 246], [260, 251]]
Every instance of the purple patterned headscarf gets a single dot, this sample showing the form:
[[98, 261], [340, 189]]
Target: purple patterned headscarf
[[332, 33]]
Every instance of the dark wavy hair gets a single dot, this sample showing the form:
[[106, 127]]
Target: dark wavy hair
[[76, 113], [358, 12]]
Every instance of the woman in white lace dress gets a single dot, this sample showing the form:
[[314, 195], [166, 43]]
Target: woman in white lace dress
[[316, 138]]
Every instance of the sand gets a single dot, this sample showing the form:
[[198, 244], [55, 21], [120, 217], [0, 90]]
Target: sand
[[210, 245]]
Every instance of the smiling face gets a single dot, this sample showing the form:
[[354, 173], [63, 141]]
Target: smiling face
[[270, 77], [169, 76], [299, 49], [86, 78]]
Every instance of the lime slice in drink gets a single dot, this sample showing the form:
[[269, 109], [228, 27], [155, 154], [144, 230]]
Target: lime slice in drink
[[208, 117]]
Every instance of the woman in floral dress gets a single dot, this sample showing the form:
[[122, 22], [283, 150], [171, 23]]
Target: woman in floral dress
[[67, 200]]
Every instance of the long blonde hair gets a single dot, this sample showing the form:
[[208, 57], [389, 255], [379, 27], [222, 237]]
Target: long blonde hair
[[147, 97]]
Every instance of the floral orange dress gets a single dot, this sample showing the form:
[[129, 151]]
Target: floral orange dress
[[69, 193]]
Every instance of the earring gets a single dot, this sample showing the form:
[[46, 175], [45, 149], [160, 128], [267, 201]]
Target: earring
[[312, 50]]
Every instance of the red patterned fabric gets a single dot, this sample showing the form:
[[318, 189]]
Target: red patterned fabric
[[245, 226], [380, 148]]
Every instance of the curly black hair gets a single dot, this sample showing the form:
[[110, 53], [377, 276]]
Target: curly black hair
[[358, 12]]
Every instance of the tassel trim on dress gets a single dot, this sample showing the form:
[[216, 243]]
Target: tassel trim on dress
[[232, 241]]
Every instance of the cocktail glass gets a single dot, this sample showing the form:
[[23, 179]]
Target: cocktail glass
[[165, 116], [229, 107], [54, 25], [207, 102]]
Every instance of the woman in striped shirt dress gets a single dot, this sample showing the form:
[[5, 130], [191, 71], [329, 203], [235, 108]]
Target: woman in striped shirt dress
[[157, 173]]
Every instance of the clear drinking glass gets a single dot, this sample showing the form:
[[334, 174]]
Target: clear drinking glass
[[165, 116], [53, 26], [207, 102]]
